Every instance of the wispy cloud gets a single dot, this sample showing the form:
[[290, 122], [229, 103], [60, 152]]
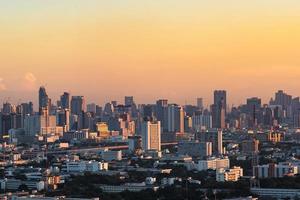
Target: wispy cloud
[[2, 85], [30, 77], [29, 81]]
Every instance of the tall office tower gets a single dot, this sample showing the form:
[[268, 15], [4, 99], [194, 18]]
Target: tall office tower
[[87, 121], [201, 121], [44, 100], [7, 108], [98, 111], [77, 105], [65, 100], [220, 99], [5, 123], [129, 101], [296, 119], [162, 113], [267, 116], [213, 136], [148, 112], [63, 119], [175, 118], [27, 108], [41, 124], [200, 103], [283, 99], [109, 109], [253, 109], [218, 116], [91, 108], [218, 109], [151, 136], [114, 103]]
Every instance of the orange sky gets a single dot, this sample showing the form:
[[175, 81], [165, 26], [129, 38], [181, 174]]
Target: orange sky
[[171, 49]]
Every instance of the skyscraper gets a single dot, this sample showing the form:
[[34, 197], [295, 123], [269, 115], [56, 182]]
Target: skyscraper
[[148, 112], [129, 101], [253, 109], [215, 137], [91, 108], [218, 109], [175, 118], [44, 101], [65, 100], [151, 136], [218, 116], [162, 113], [283, 99], [77, 105], [63, 119], [220, 99], [200, 103]]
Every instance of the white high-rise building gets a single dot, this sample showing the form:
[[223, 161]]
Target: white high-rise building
[[151, 136]]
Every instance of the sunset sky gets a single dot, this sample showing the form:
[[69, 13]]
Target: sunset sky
[[175, 49]]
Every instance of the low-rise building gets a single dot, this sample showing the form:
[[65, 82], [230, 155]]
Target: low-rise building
[[212, 163], [85, 166], [275, 170], [232, 174], [108, 155], [195, 148]]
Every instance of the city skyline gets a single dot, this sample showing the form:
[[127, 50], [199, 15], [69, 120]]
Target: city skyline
[[147, 99], [175, 50], [122, 100]]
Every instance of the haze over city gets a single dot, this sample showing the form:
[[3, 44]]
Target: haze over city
[[171, 49], [149, 99]]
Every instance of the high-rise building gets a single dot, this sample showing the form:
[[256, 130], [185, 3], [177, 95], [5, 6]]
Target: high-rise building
[[213, 136], [151, 136], [98, 111], [220, 99], [129, 101], [253, 109], [135, 144], [218, 116], [200, 103], [162, 113], [63, 119], [250, 146], [218, 109], [91, 108], [148, 112], [201, 120], [27, 108], [175, 118], [65, 100], [77, 105], [296, 119], [7, 108], [41, 124], [44, 100], [283, 99]]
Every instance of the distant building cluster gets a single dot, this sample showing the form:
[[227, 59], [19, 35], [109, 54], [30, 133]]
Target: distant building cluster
[[43, 149]]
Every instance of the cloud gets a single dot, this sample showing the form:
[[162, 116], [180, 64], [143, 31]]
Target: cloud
[[30, 77], [2, 85], [29, 82]]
